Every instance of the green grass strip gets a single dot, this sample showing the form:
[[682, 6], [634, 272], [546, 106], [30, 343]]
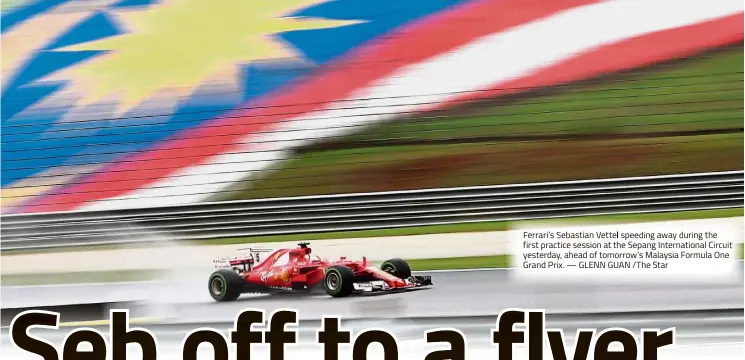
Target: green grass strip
[[79, 277], [459, 263]]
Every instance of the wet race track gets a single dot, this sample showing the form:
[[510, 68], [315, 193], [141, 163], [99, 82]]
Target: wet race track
[[454, 293]]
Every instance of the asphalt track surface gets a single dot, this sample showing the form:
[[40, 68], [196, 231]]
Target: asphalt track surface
[[454, 293]]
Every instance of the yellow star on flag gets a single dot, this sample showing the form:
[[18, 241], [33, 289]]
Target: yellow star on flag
[[180, 44]]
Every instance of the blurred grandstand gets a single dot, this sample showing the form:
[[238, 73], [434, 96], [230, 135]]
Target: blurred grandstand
[[110, 104], [681, 116]]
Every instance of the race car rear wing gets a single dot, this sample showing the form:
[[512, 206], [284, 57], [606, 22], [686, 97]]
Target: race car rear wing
[[257, 250], [242, 263], [255, 253]]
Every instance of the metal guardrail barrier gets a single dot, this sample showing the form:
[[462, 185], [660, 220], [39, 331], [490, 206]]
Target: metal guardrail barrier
[[365, 211]]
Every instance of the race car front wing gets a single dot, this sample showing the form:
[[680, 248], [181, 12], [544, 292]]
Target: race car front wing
[[380, 285]]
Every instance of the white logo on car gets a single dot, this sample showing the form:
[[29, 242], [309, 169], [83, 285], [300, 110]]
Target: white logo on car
[[266, 274]]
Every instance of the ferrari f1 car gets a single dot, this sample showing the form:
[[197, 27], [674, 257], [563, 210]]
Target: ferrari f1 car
[[293, 270]]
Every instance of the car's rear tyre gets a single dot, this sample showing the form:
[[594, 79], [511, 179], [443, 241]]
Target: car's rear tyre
[[225, 285], [338, 281], [397, 267]]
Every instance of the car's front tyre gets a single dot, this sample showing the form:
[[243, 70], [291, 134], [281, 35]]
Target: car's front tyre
[[397, 267]]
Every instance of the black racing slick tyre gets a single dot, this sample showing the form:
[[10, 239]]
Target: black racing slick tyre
[[225, 285], [397, 267], [338, 281]]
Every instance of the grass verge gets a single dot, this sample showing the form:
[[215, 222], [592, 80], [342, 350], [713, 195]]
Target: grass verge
[[78, 277], [459, 263]]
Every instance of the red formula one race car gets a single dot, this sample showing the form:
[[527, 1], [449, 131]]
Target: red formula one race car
[[293, 270]]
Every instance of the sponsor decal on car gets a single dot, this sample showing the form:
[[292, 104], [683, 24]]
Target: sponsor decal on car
[[266, 274], [283, 275]]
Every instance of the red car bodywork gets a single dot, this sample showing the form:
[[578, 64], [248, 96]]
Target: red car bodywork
[[294, 269]]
